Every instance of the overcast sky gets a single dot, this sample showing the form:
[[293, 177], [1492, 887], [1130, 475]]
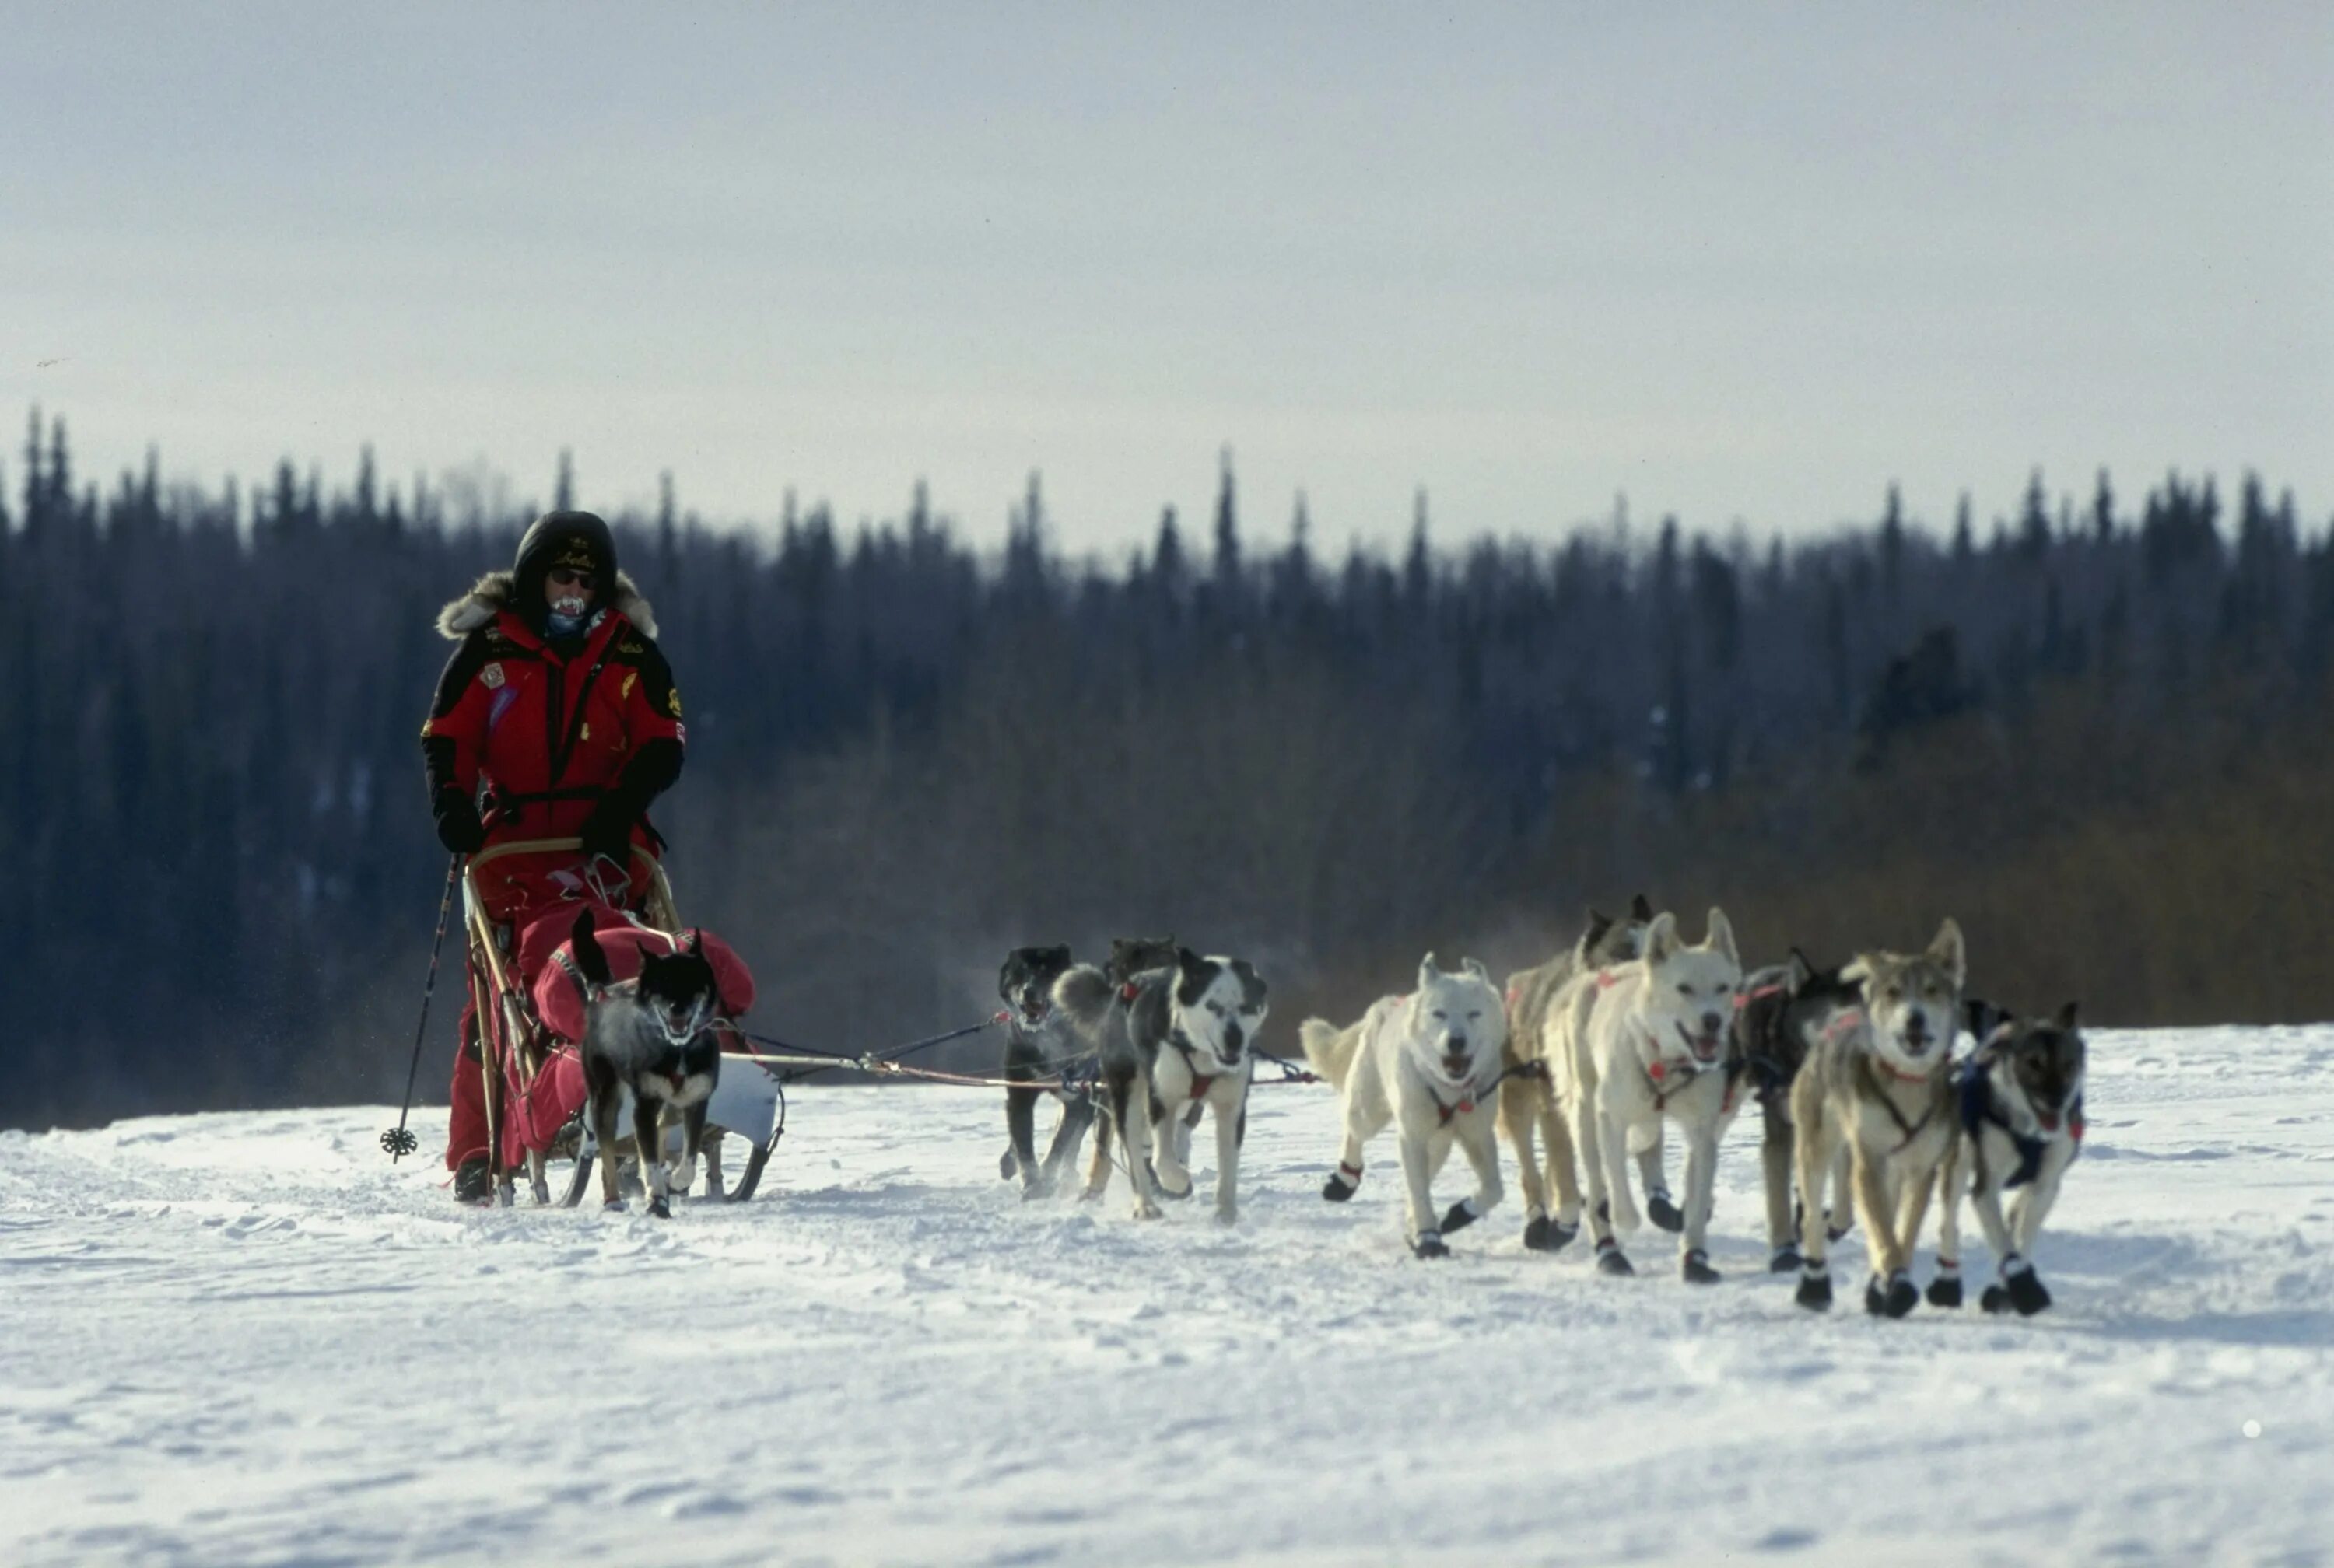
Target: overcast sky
[[1737, 261]]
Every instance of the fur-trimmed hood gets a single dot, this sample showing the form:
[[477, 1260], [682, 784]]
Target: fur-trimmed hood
[[491, 595]]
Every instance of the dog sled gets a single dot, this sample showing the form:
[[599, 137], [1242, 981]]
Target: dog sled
[[528, 1003]]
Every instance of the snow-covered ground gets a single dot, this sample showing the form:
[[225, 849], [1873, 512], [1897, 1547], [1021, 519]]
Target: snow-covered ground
[[249, 1340]]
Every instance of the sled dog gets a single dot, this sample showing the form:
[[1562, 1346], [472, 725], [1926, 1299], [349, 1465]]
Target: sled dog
[[653, 1036], [1427, 1063], [1038, 1043], [2020, 1106], [1785, 1009], [1878, 1080], [1528, 1111], [1170, 1039], [1131, 958], [1639, 1043]]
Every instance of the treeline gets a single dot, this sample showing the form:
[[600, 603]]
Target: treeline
[[2094, 730]]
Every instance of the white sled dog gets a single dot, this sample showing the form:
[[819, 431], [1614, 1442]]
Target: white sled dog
[[1527, 1108], [1429, 1062], [1173, 1039], [2020, 1106], [1640, 1042], [1878, 1078]]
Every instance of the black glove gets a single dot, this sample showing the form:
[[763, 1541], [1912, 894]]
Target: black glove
[[608, 830], [458, 827]]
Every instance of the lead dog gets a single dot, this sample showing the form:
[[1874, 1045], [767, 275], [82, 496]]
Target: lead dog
[[2020, 1106], [1171, 1039], [653, 1036], [1527, 1106], [1638, 1043], [1878, 1080], [1427, 1063]]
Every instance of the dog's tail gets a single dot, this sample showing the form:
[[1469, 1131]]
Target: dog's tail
[[1330, 1049], [1084, 994]]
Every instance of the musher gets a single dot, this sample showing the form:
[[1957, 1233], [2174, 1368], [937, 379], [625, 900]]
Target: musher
[[556, 718]]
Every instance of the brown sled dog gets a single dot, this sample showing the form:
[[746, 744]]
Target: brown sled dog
[[1528, 1109]]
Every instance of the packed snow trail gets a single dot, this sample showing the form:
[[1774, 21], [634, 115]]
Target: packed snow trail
[[249, 1340]]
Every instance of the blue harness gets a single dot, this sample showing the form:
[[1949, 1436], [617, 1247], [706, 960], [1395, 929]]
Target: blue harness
[[1978, 1110]]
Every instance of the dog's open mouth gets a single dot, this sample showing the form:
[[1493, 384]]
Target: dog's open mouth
[[1915, 1042], [1704, 1048]]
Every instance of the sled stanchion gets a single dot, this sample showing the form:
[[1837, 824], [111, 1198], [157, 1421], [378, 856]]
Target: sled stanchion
[[397, 1140]]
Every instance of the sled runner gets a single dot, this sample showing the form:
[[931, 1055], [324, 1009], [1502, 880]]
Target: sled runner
[[528, 1000]]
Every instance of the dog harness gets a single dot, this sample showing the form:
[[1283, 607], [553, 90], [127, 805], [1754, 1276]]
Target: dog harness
[[1660, 1070], [1978, 1110], [1200, 1081], [1465, 1103], [1909, 1130]]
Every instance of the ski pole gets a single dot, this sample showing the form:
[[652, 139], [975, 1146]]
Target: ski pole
[[397, 1140]]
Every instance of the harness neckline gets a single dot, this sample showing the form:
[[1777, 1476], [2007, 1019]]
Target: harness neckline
[[1658, 1068]]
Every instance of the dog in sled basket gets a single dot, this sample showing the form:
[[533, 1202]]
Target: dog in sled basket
[[563, 997]]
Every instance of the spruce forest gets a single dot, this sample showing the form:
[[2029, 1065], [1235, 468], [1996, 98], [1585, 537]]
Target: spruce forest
[[2095, 729]]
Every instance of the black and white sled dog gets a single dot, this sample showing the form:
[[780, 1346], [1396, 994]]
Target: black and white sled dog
[[1038, 1043], [2019, 1100], [1785, 1009], [1639, 1043], [1427, 1063], [1131, 959], [1170, 1039], [1879, 1080], [655, 1036], [1527, 1108]]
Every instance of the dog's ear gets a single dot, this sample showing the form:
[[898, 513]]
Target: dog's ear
[[1189, 964], [589, 959], [1429, 971], [1058, 956], [2066, 1019], [1598, 923], [695, 947], [1857, 970], [1640, 910], [1475, 967], [1719, 936], [1947, 950], [1797, 971], [1661, 940]]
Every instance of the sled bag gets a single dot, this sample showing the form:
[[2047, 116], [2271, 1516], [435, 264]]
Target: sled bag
[[559, 988]]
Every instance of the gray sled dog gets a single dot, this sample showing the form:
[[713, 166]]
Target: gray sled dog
[[1528, 1109], [1427, 1063], [1785, 1010], [2021, 1105], [653, 1036], [1131, 959], [1636, 1045], [1038, 1043], [1878, 1080], [1170, 1039]]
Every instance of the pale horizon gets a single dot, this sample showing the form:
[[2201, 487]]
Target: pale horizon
[[1743, 266]]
